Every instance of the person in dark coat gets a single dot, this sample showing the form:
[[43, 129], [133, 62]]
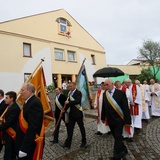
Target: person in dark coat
[[3, 106], [75, 115], [9, 125], [59, 104], [32, 114], [115, 109]]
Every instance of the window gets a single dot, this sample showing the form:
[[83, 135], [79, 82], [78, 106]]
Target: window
[[59, 54], [93, 59], [64, 26], [26, 76], [26, 50], [71, 56]]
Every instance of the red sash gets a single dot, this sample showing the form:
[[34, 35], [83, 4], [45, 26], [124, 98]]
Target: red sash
[[98, 95], [38, 152], [127, 128], [134, 109], [11, 132], [124, 89]]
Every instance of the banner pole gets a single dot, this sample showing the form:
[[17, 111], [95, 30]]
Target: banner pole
[[42, 60], [81, 67]]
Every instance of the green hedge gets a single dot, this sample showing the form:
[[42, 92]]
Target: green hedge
[[65, 92]]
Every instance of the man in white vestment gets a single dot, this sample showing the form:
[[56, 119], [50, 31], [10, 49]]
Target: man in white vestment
[[155, 98], [135, 104], [145, 100], [146, 85], [119, 86], [64, 85], [102, 128]]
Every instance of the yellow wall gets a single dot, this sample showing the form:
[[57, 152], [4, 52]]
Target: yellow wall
[[44, 26], [41, 31], [129, 69], [12, 59]]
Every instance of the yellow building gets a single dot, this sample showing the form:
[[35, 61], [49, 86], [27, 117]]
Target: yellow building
[[55, 36]]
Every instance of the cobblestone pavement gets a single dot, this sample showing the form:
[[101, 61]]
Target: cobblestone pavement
[[145, 147]]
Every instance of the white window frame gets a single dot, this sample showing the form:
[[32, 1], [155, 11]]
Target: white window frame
[[60, 53], [63, 23], [27, 50], [73, 59], [26, 76]]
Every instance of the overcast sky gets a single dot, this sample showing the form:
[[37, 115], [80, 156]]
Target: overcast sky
[[120, 26]]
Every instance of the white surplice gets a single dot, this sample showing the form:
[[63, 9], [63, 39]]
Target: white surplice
[[125, 133], [155, 100], [101, 127], [137, 119], [145, 101], [147, 90]]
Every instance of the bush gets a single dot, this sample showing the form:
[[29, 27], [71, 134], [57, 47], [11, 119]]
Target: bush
[[65, 92], [51, 88]]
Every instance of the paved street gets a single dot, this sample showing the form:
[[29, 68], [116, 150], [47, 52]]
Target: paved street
[[145, 147]]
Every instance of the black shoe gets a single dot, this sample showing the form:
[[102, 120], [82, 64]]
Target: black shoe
[[124, 153], [54, 142], [137, 130], [98, 133], [113, 158], [146, 120], [66, 146], [83, 145], [125, 138], [130, 140], [109, 133]]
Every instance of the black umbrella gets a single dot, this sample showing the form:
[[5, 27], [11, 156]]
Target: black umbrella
[[108, 72]]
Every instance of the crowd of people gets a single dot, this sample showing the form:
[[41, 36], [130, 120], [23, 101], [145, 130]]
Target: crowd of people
[[21, 128], [121, 108]]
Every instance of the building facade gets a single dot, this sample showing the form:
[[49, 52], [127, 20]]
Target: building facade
[[55, 36]]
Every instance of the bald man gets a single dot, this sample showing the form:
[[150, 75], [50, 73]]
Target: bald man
[[115, 109]]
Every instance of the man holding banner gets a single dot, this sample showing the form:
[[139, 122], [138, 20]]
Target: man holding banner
[[8, 125], [59, 105], [115, 109], [75, 115], [30, 132]]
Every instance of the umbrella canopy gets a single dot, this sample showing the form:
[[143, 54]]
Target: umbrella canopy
[[108, 72]]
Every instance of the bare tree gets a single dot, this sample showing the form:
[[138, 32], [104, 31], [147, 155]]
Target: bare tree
[[150, 53]]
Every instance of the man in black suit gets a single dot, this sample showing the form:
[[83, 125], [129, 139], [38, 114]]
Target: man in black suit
[[59, 104], [75, 115], [30, 123], [9, 125], [115, 109], [3, 106]]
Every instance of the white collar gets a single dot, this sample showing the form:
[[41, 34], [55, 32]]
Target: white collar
[[28, 98]]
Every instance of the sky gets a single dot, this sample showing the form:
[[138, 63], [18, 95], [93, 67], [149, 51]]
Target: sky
[[120, 26]]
